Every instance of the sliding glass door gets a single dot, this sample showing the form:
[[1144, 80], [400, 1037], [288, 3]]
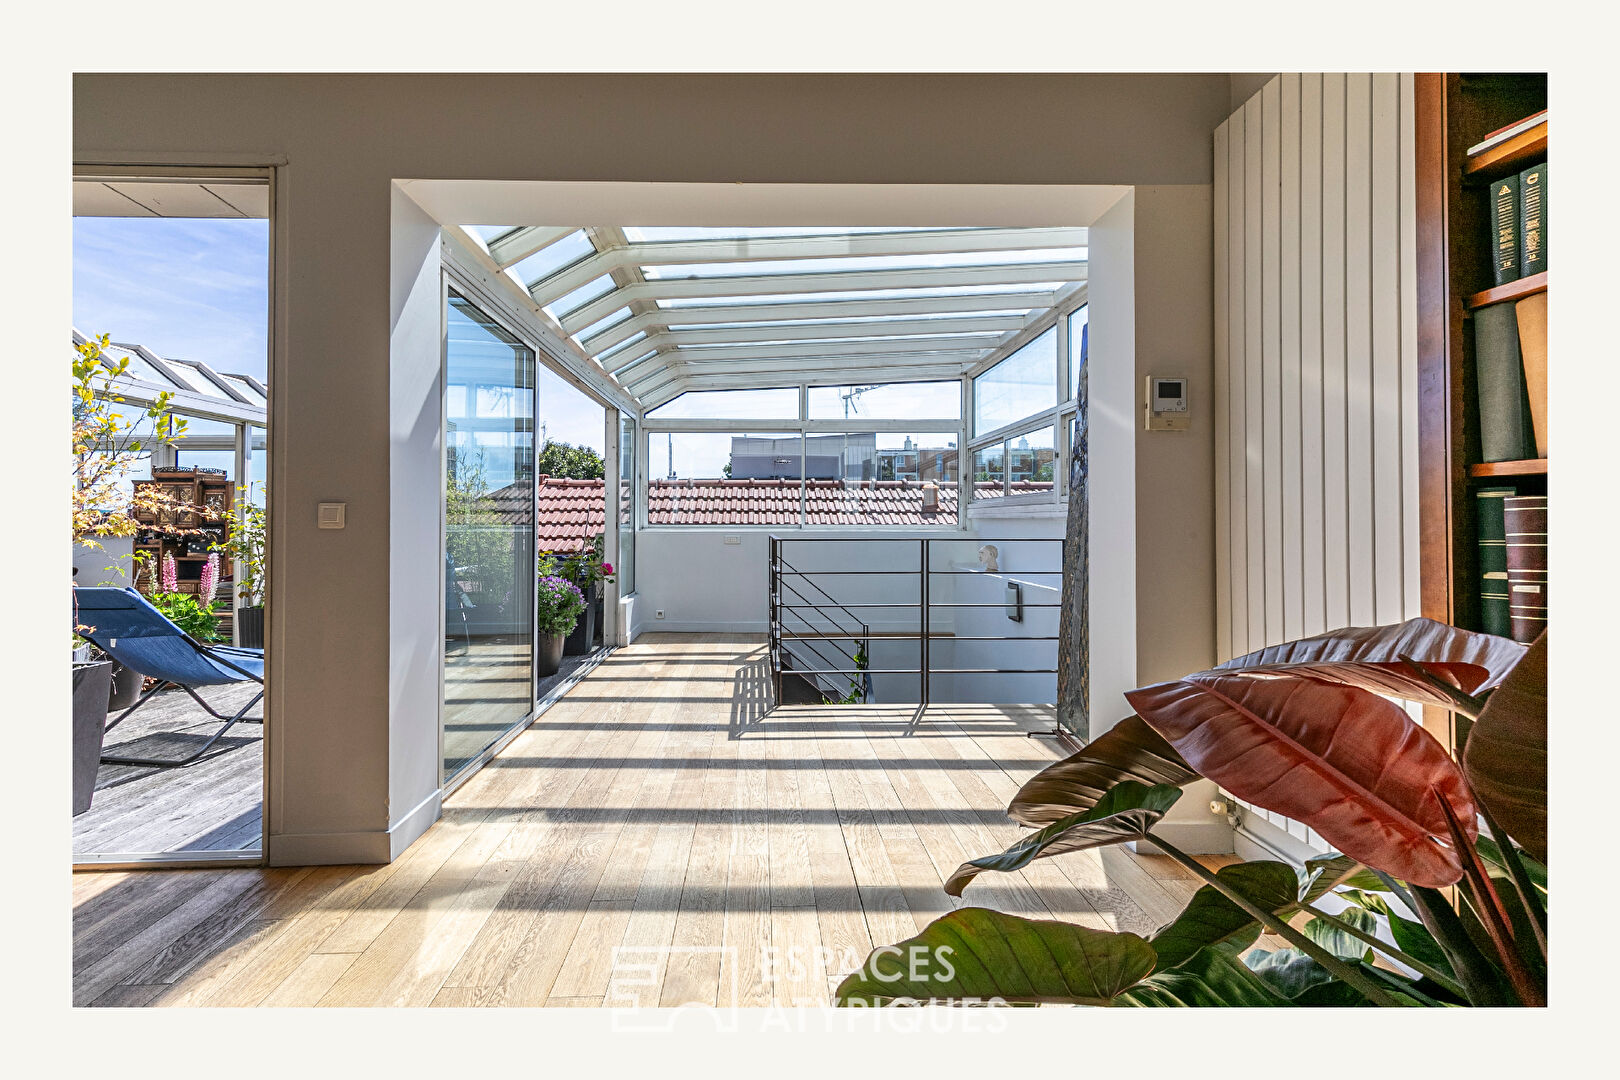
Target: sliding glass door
[[489, 538]]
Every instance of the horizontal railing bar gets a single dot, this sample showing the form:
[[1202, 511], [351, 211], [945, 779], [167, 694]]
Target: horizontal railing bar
[[913, 540], [791, 636], [918, 671], [918, 604]]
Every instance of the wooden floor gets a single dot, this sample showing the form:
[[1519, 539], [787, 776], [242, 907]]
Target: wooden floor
[[213, 805], [655, 838]]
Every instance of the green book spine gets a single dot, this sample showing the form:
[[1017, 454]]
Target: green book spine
[[1505, 430], [1494, 605], [1505, 229], [1533, 220]]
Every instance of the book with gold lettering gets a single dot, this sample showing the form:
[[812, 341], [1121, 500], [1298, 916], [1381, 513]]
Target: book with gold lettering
[[1505, 230], [1533, 220], [1525, 520]]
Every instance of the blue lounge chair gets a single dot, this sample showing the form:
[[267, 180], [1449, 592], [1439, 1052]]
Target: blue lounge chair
[[125, 626]]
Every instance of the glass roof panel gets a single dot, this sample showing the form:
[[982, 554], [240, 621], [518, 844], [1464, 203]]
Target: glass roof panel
[[486, 233], [864, 262], [139, 368], [627, 343], [888, 401], [551, 258], [603, 324], [741, 232], [780, 403], [929, 292], [245, 388], [583, 295], [196, 380]]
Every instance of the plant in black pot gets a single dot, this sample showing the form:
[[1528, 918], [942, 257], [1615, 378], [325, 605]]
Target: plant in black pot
[[587, 570], [558, 605], [244, 542]]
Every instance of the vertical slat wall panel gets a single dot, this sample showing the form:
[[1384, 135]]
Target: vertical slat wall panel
[[1293, 517], [1271, 349], [1386, 348], [1316, 439], [1310, 345], [1316, 363], [1222, 388], [1335, 493], [1237, 618], [1254, 474], [1358, 340]]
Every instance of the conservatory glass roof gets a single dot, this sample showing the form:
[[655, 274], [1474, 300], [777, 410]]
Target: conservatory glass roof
[[666, 310]]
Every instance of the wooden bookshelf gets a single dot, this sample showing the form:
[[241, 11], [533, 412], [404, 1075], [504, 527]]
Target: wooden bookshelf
[[1532, 467], [1453, 112], [1520, 152], [1513, 290]]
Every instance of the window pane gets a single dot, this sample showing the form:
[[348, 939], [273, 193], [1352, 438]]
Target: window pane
[[880, 478], [626, 567], [489, 539], [888, 401], [551, 258], [1019, 386], [1032, 462], [579, 297], [989, 478], [721, 478], [781, 403], [1079, 346]]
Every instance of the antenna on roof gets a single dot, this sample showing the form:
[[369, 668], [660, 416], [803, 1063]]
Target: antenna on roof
[[850, 395], [671, 455]]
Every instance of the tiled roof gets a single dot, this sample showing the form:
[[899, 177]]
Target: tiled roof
[[571, 511]]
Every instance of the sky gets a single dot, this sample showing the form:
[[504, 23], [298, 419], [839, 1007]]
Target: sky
[[186, 288]]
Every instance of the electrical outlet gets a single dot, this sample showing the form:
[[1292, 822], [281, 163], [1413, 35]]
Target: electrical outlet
[[659, 614], [732, 539]]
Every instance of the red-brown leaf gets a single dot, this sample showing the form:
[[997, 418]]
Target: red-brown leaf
[[1369, 657], [1348, 763]]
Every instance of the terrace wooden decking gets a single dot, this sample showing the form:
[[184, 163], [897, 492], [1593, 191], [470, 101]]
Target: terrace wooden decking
[[655, 838], [213, 805]]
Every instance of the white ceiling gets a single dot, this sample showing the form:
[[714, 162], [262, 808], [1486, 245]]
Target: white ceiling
[[215, 199]]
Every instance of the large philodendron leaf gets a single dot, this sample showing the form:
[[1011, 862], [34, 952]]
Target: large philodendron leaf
[[1369, 657], [1211, 920], [1302, 980], [1212, 978], [1348, 763], [1127, 812], [1506, 755], [974, 954], [1130, 750]]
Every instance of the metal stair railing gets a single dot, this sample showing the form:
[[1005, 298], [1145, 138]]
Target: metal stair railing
[[785, 642]]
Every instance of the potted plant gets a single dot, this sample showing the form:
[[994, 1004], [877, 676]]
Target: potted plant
[[558, 604], [587, 570], [107, 442], [244, 542], [92, 681]]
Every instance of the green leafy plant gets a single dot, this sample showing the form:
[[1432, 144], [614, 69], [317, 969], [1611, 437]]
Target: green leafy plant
[[1303, 729], [586, 568], [857, 682], [190, 613], [244, 542]]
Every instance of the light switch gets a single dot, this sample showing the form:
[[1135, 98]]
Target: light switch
[[329, 515]]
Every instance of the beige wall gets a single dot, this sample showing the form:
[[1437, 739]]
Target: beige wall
[[340, 780]]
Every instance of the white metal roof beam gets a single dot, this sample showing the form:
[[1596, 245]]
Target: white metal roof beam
[[830, 281], [851, 352], [981, 324], [511, 248], [857, 245], [769, 375], [819, 310]]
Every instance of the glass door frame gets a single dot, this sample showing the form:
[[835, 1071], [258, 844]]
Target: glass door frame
[[266, 173]]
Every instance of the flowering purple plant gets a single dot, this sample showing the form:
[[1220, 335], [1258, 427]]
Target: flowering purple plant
[[210, 580], [168, 576], [558, 605]]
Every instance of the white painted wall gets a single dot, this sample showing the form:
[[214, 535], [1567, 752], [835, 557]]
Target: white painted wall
[[338, 646]]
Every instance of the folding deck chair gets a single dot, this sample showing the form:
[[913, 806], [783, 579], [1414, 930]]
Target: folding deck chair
[[124, 625]]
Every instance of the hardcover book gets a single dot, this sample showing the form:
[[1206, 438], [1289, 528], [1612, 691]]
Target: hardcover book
[[1503, 134], [1490, 506], [1525, 518], [1505, 431], [1531, 313], [1533, 220], [1505, 230]]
